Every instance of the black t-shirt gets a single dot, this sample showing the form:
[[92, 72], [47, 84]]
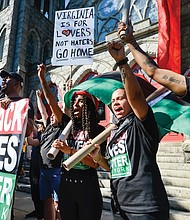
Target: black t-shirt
[[50, 134], [80, 170], [135, 177]]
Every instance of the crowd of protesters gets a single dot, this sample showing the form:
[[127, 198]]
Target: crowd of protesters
[[130, 155]]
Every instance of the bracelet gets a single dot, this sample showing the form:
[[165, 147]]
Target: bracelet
[[100, 159], [122, 62]]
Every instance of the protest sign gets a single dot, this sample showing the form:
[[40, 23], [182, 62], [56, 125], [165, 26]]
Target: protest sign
[[73, 37], [13, 123]]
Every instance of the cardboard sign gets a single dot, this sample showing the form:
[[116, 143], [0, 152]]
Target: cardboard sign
[[13, 123], [73, 37]]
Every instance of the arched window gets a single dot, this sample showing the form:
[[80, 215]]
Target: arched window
[[109, 13], [2, 41], [47, 53], [142, 9]]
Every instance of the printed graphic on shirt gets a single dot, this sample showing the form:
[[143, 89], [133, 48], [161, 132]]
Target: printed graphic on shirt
[[79, 142], [120, 164]]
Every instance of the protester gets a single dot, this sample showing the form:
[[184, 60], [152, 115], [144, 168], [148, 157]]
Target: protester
[[11, 87], [79, 194], [175, 82], [137, 189], [35, 159], [35, 172], [50, 170]]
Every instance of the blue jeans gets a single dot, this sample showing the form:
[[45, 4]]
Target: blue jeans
[[49, 183]]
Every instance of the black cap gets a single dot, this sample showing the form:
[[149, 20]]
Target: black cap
[[14, 75]]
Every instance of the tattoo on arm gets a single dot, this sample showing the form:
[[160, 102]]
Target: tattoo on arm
[[123, 76], [172, 79], [164, 77], [150, 62]]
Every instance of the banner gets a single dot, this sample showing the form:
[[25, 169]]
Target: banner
[[73, 37], [13, 123], [169, 44]]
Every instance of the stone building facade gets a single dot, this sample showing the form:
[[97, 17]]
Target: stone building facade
[[26, 38]]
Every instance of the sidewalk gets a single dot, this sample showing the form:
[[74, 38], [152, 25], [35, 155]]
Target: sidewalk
[[24, 205]]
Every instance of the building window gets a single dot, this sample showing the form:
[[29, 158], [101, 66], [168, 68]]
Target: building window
[[44, 7], [47, 53], [109, 13], [2, 41], [3, 4], [143, 9]]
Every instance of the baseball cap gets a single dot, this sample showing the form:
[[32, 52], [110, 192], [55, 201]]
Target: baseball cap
[[14, 75]]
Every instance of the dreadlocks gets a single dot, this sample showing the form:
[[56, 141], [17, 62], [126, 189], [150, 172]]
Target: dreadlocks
[[89, 118]]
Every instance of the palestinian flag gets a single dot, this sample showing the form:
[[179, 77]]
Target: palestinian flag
[[172, 114], [102, 87]]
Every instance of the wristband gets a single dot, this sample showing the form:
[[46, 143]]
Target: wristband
[[99, 159], [122, 62]]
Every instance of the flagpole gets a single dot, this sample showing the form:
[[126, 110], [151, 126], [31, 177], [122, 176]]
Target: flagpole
[[125, 17]]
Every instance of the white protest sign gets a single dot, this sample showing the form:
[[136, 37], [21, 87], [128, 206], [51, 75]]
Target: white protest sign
[[73, 37]]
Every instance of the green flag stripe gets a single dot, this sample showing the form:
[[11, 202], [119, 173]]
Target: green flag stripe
[[172, 116], [98, 87]]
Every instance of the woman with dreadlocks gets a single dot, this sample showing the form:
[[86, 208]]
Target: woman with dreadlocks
[[79, 195]]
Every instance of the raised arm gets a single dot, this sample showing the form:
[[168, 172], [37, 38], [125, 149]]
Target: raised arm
[[41, 107], [173, 81], [132, 88], [48, 94]]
